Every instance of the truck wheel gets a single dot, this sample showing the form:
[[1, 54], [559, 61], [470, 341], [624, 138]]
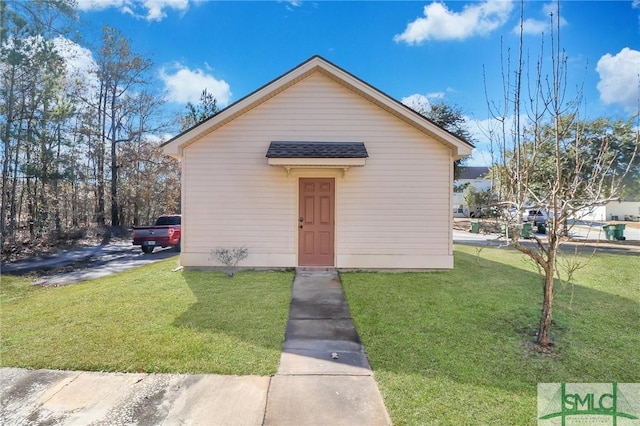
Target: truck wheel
[[147, 249], [177, 247]]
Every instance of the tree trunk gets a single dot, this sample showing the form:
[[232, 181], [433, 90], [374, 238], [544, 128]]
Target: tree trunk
[[547, 310], [115, 218], [544, 340], [13, 202], [101, 210], [42, 213], [56, 185]]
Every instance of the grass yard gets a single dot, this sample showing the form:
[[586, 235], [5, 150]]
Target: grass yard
[[148, 320], [448, 347], [454, 347]]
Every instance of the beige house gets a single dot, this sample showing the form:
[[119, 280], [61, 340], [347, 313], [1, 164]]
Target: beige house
[[318, 168]]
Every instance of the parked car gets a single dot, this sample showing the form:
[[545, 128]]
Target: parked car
[[536, 216], [164, 233]]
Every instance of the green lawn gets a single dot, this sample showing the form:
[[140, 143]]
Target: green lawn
[[149, 319], [446, 347], [454, 347]]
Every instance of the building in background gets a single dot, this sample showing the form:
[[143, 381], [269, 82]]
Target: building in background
[[477, 178]]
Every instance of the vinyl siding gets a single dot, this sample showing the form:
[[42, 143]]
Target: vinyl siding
[[392, 213]]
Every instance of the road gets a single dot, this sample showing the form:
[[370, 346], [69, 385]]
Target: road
[[86, 263], [582, 236]]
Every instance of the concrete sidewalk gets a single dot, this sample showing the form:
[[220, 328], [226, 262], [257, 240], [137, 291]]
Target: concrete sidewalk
[[323, 378], [49, 397]]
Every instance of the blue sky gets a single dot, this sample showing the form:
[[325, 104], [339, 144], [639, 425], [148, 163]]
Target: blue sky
[[412, 50]]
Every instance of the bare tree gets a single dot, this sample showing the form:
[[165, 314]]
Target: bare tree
[[30, 69], [546, 158], [119, 72], [150, 181]]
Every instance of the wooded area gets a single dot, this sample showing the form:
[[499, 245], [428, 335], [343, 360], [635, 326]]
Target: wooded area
[[78, 151]]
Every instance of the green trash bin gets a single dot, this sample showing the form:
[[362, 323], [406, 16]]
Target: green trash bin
[[609, 232], [542, 227], [475, 227], [525, 231], [618, 231]]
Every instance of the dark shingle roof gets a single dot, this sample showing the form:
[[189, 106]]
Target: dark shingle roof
[[317, 150], [473, 172]]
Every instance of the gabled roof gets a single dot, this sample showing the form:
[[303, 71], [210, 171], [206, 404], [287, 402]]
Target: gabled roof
[[317, 150], [315, 64]]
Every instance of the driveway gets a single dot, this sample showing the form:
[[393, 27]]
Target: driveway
[[86, 263]]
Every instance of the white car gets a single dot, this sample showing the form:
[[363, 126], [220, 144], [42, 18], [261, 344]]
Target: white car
[[535, 215]]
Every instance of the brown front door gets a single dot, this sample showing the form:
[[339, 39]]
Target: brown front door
[[315, 236]]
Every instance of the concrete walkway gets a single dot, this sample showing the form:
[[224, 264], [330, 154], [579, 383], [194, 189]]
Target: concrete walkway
[[324, 378]]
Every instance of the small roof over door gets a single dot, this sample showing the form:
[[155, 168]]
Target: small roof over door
[[317, 150], [337, 155]]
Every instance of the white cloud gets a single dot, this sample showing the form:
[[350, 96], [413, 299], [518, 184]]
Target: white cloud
[[100, 4], [185, 85], [420, 103], [417, 102], [79, 64], [158, 139], [80, 67], [490, 136], [620, 78], [155, 8], [437, 95], [151, 10], [77, 57], [532, 26], [480, 158], [439, 23]]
